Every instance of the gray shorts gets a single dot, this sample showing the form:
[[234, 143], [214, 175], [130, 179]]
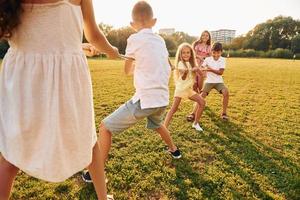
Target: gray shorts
[[209, 86], [130, 113]]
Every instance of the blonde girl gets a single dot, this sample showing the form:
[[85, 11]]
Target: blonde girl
[[184, 76], [202, 48]]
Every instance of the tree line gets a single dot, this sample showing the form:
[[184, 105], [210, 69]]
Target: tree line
[[278, 37], [275, 37]]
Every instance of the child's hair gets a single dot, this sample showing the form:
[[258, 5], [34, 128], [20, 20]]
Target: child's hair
[[179, 58], [199, 41], [217, 47], [10, 11], [142, 11]]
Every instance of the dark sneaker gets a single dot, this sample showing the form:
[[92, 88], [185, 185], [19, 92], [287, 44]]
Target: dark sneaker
[[86, 177], [224, 116], [176, 154]]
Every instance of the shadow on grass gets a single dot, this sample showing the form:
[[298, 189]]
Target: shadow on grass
[[87, 190], [209, 189], [279, 171], [284, 179]]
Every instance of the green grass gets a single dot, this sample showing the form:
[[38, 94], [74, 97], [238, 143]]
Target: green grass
[[256, 155]]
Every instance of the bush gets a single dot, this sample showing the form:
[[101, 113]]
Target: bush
[[295, 44], [282, 53], [251, 53]]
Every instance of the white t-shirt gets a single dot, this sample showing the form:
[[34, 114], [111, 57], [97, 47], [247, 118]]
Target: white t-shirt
[[152, 70], [214, 64]]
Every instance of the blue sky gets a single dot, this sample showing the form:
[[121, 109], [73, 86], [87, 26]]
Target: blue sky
[[194, 16]]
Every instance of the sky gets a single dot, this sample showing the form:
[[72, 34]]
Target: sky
[[194, 16]]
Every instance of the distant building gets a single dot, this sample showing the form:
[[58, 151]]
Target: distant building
[[167, 31], [225, 36]]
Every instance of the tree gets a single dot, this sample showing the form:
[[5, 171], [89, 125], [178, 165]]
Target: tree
[[295, 44], [180, 37], [105, 28], [118, 37], [174, 40], [272, 34], [237, 43]]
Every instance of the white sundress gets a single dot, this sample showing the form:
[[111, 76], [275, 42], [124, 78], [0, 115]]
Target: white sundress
[[47, 126]]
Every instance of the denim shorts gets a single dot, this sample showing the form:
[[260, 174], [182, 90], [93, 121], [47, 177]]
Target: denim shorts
[[130, 113]]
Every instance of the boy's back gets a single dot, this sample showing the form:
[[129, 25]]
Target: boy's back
[[152, 70]]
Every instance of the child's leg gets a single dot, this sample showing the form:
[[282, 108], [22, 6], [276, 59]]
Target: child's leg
[[200, 106], [200, 82], [166, 137], [225, 94], [173, 109], [8, 173], [198, 89], [96, 168], [118, 121], [195, 108]]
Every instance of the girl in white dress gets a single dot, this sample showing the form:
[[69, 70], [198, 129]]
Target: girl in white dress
[[47, 126]]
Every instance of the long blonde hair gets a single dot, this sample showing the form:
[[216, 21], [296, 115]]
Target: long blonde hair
[[179, 58]]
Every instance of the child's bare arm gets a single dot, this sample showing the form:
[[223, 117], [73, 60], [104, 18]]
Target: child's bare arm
[[92, 32], [89, 50], [183, 73], [129, 67], [218, 72]]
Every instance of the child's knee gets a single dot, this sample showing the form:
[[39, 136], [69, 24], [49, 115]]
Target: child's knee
[[8, 167], [204, 94], [201, 102], [225, 93], [103, 129]]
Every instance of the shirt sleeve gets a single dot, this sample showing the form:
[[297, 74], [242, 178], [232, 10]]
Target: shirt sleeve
[[208, 50], [181, 65], [131, 47], [223, 63], [205, 62]]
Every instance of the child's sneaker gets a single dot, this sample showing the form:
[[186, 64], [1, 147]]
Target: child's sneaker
[[175, 154], [197, 127], [224, 116], [110, 197], [86, 177]]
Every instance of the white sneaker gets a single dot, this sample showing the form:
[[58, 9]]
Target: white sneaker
[[197, 127]]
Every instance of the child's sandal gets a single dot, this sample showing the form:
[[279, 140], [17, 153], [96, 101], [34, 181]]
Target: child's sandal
[[224, 116], [191, 117]]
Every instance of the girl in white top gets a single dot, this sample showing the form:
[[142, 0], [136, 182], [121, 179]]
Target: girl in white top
[[47, 126], [184, 76]]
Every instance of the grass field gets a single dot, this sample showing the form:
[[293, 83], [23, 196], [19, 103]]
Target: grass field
[[255, 155]]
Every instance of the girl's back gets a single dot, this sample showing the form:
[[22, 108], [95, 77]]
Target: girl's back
[[47, 126], [49, 28]]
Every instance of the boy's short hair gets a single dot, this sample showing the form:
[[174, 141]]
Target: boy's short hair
[[142, 11], [217, 47]]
